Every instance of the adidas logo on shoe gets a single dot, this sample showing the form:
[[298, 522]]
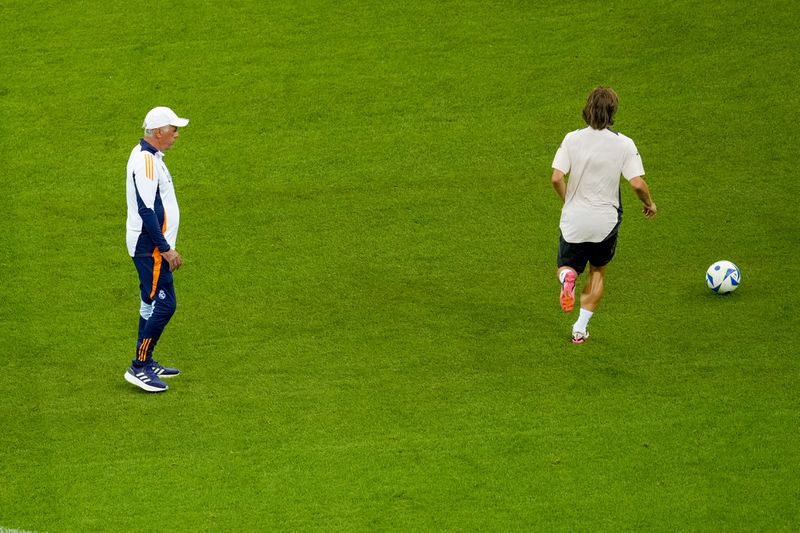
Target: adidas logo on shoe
[[145, 379]]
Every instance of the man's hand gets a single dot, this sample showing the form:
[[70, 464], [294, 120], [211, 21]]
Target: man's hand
[[643, 192], [174, 259]]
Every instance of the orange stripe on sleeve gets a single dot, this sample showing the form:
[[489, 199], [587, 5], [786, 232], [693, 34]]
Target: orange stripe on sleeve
[[149, 166]]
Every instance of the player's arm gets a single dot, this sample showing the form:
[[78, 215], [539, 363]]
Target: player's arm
[[145, 198], [561, 167], [145, 182], [559, 184], [643, 192]]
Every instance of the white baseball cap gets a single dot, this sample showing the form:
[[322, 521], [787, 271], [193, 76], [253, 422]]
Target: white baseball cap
[[158, 117]]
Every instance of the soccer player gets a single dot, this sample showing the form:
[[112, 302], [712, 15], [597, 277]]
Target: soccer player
[[152, 229], [593, 157]]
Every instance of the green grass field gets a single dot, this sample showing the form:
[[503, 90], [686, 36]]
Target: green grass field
[[368, 323]]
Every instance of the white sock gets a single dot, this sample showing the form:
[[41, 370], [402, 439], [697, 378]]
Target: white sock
[[562, 274], [583, 320]]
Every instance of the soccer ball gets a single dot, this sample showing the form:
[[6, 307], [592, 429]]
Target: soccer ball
[[723, 277]]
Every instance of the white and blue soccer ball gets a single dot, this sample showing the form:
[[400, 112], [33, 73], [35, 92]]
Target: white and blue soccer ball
[[723, 277]]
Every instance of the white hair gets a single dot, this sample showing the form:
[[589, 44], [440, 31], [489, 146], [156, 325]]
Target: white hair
[[152, 132]]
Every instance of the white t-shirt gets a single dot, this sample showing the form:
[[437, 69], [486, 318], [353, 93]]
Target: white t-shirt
[[594, 160]]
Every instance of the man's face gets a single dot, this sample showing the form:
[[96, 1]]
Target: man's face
[[166, 138]]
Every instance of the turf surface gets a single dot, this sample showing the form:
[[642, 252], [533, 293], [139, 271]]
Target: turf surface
[[368, 321]]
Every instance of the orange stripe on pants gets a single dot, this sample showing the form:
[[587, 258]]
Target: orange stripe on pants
[[156, 271], [157, 259], [143, 349]]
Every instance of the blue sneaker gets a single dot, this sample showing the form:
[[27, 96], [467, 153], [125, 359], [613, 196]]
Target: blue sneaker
[[163, 371], [144, 378]]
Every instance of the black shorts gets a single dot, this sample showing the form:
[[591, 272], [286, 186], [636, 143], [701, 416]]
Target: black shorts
[[597, 254]]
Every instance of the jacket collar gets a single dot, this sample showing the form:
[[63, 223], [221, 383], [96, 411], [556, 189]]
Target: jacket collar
[[147, 147]]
